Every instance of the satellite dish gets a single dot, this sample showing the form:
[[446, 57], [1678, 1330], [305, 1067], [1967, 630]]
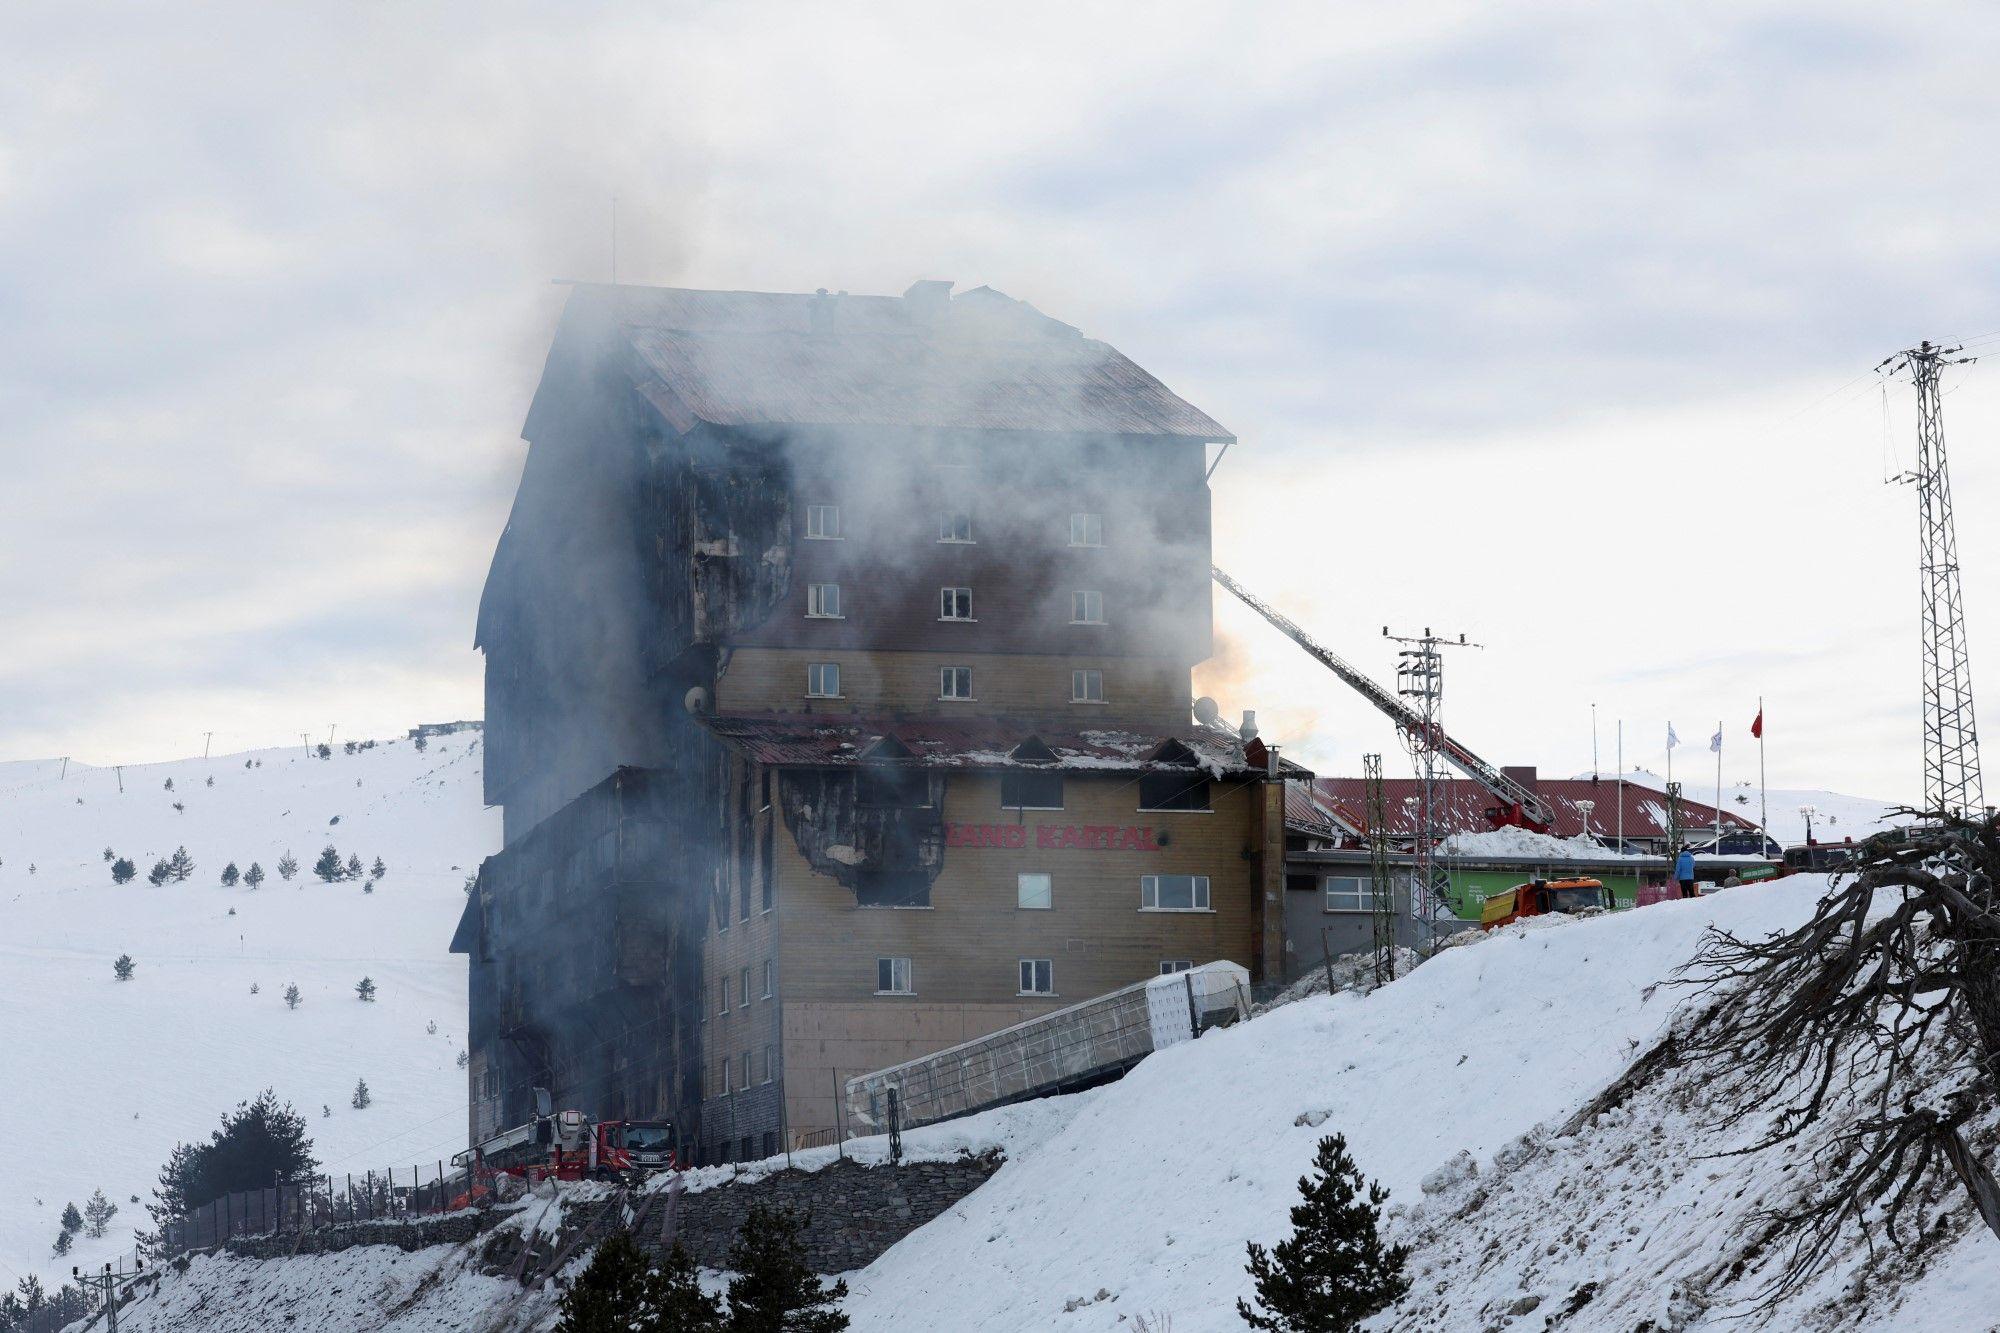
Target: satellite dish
[[1206, 712], [696, 700]]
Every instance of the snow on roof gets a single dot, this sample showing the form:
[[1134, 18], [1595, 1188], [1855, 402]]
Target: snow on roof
[[1466, 803]]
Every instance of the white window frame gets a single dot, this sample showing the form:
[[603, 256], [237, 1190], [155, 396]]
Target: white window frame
[[1080, 526], [1048, 891], [820, 669], [816, 602], [725, 997], [948, 528], [746, 1069], [1362, 894], [949, 601], [948, 676], [1173, 967], [899, 970], [1081, 605], [770, 978], [1032, 970], [726, 1072], [743, 997], [1198, 894], [1080, 681], [770, 1062], [817, 527]]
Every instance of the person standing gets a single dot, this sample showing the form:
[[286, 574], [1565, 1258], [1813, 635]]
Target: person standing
[[1684, 872]]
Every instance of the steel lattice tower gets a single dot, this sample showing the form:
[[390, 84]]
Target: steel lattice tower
[[1951, 743], [1382, 877], [1420, 679]]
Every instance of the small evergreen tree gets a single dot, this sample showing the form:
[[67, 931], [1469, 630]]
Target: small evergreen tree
[[773, 1290], [365, 990], [288, 865], [292, 996], [378, 870], [323, 750], [1334, 1272], [98, 1214], [123, 967], [328, 865], [421, 744], [230, 874], [361, 1096], [254, 875], [208, 782], [348, 747], [254, 988], [170, 784], [159, 874], [181, 864], [108, 853], [62, 1241], [122, 871], [72, 1220], [353, 869], [464, 1059]]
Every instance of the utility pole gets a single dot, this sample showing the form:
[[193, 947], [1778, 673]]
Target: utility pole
[[206, 737], [305, 739], [107, 1286], [1420, 679], [1383, 878], [65, 770], [1951, 744]]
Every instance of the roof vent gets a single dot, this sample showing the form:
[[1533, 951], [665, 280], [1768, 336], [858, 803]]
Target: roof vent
[[928, 299]]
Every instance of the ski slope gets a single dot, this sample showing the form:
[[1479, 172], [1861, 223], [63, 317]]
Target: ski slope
[[106, 1076], [1835, 816]]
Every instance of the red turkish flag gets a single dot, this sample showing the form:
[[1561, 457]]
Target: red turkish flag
[[1757, 727]]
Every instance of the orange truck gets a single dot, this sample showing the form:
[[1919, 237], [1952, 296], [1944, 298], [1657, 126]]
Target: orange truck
[[1539, 897]]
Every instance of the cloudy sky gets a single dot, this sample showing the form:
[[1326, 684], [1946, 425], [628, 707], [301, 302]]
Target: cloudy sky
[[1549, 323]]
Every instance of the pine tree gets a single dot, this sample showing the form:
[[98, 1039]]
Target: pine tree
[[378, 870], [122, 871], [1334, 1272], [123, 967], [181, 864], [32, 1295], [621, 1290], [159, 874], [365, 990], [361, 1096], [72, 1220], [773, 1290], [62, 1241], [328, 865], [98, 1214], [464, 1059], [108, 853], [353, 869], [421, 744], [323, 750], [170, 784], [230, 874], [292, 996], [254, 875], [288, 865]]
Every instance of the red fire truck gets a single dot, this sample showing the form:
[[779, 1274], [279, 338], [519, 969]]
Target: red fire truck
[[566, 1145]]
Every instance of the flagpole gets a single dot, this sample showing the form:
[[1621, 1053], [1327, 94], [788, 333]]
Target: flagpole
[[1621, 786], [1763, 793], [1718, 785]]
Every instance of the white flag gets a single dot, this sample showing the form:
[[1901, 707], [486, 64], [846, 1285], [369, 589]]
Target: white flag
[[1672, 740], [1715, 742]]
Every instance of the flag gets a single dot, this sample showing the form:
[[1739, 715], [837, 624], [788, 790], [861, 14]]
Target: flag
[[1715, 741], [1757, 727], [1672, 740]]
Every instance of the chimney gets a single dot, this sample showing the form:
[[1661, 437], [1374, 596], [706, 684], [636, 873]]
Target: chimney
[[1248, 731], [1523, 774], [927, 300]]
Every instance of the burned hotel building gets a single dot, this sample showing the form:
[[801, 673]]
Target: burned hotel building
[[837, 699]]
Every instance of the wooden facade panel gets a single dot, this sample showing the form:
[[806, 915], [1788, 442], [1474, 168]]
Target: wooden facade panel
[[1023, 685]]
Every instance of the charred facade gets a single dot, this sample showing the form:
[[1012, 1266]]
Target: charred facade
[[837, 654]]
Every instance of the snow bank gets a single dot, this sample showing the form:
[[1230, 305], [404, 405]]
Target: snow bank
[[1527, 842]]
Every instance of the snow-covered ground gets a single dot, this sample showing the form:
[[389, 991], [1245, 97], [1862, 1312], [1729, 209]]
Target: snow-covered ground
[[106, 1076], [1835, 816]]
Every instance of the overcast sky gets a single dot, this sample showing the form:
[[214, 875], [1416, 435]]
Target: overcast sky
[[1548, 323]]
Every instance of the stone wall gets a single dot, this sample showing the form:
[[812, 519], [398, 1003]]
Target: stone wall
[[411, 1234], [856, 1212]]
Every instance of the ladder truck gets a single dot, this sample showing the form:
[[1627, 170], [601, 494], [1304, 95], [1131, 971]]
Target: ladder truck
[[1518, 805]]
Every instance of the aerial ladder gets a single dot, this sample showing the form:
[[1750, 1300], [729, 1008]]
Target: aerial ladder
[[1518, 804]]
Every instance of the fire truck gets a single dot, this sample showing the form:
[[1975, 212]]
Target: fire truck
[[566, 1145]]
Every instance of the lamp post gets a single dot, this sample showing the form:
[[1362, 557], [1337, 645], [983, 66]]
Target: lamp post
[[1809, 811], [1586, 807]]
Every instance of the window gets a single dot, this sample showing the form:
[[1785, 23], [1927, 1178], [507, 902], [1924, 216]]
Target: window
[[725, 1076], [955, 525], [823, 600], [892, 976], [1086, 608], [1031, 790], [770, 978], [746, 1083], [745, 989], [1173, 791], [1169, 966], [1086, 529], [954, 603], [1348, 893], [823, 522], [770, 1067], [1086, 686], [1033, 892], [822, 680], [955, 682], [725, 996], [1173, 893], [1038, 976]]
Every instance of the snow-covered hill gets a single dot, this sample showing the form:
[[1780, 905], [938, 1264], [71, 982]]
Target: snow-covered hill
[[105, 1076], [1834, 815]]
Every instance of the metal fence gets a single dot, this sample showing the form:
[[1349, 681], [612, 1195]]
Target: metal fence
[[298, 1206]]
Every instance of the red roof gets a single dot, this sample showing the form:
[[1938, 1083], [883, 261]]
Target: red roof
[[805, 740], [1466, 803]]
